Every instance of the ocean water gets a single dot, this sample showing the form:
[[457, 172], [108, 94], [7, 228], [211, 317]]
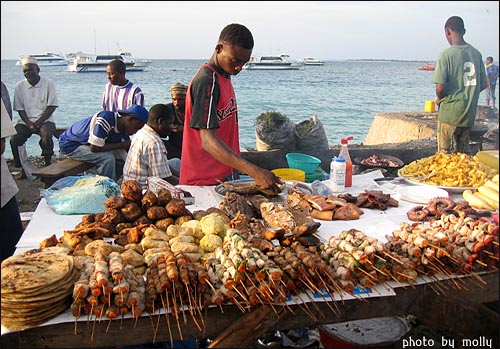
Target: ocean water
[[344, 95]]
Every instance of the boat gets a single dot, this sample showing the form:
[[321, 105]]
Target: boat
[[88, 62], [427, 66], [312, 61], [281, 62], [46, 59]]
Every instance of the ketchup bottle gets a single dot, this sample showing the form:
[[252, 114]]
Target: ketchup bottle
[[348, 163]]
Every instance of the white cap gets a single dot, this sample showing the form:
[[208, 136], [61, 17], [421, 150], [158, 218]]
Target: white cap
[[28, 60]]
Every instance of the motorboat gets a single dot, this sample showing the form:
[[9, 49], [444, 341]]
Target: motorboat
[[46, 59], [427, 66], [281, 62], [87, 62], [312, 61]]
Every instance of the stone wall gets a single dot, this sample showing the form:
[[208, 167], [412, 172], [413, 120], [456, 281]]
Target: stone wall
[[401, 127]]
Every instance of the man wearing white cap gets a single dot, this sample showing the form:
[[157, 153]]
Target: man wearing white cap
[[35, 100]]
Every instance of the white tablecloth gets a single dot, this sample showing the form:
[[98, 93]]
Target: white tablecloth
[[375, 223]]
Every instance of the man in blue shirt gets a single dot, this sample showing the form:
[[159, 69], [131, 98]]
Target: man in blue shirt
[[492, 76], [103, 138]]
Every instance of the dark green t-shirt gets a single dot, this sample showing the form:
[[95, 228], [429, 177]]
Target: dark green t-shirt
[[461, 70]]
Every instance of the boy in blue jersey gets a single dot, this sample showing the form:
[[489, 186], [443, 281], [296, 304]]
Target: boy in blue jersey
[[98, 139]]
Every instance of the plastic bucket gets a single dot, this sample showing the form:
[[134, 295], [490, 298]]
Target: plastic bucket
[[290, 174], [430, 106]]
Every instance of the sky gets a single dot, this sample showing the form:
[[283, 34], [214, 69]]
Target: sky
[[328, 30]]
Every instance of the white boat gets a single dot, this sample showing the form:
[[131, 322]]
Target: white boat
[[88, 62], [46, 59], [281, 62], [312, 61]]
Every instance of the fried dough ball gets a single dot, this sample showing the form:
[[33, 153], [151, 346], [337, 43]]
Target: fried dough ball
[[115, 202], [181, 219], [149, 199], [131, 211], [156, 212], [176, 207], [131, 190], [164, 196], [112, 216], [120, 226], [88, 218], [164, 223], [142, 220]]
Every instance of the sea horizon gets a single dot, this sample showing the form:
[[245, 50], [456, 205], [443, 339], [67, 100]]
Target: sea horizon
[[344, 95]]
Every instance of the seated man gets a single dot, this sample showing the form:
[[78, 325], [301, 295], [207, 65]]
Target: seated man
[[148, 155], [35, 100], [103, 138]]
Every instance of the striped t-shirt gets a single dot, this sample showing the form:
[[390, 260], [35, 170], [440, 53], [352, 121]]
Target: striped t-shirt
[[117, 98]]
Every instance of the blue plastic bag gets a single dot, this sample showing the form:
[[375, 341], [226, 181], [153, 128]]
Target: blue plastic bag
[[80, 194]]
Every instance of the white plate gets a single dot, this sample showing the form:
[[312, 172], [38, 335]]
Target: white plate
[[421, 194]]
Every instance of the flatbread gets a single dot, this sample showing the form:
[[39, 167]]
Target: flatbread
[[34, 272], [36, 287]]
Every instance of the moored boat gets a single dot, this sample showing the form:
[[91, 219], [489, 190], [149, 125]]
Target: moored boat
[[87, 62], [427, 66], [281, 62], [46, 59], [312, 61]]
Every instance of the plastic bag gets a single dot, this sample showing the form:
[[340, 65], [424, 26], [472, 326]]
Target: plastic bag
[[274, 130], [310, 135], [80, 194]]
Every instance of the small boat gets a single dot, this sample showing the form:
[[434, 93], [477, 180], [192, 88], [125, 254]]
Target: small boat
[[312, 61], [46, 59], [427, 66], [87, 62], [281, 62]]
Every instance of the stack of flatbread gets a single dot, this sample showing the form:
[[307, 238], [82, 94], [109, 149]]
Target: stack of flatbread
[[36, 287]]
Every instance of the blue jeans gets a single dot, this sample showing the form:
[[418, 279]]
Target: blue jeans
[[105, 161]]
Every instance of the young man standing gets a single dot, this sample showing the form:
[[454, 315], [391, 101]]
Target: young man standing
[[211, 147], [459, 77]]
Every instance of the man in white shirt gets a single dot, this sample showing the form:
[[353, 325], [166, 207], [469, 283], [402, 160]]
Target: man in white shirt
[[35, 100]]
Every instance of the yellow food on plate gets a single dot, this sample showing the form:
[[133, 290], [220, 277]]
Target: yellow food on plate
[[451, 170], [475, 200]]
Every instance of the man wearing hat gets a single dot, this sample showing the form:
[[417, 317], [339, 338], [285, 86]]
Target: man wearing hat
[[174, 142], [35, 100], [103, 139]]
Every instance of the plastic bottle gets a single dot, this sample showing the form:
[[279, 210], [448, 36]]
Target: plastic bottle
[[337, 174], [348, 163], [320, 188]]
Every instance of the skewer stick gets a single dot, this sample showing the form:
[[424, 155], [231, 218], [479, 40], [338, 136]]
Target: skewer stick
[[167, 317], [175, 309], [393, 258], [306, 309], [107, 327], [366, 273]]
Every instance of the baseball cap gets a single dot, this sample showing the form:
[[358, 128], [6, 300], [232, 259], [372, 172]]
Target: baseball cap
[[138, 111]]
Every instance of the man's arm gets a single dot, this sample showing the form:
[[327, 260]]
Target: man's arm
[[46, 114], [110, 147], [212, 144]]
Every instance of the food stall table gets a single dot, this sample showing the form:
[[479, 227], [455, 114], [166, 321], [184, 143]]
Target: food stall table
[[452, 304]]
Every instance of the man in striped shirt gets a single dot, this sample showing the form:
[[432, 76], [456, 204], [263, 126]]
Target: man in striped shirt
[[120, 93]]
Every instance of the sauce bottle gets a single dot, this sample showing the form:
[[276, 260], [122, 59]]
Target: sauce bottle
[[337, 174], [348, 163]]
